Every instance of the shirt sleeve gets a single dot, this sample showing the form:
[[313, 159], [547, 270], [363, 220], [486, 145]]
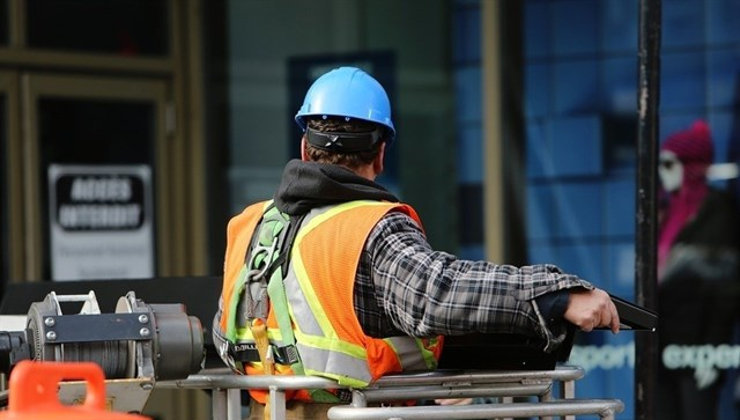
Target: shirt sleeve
[[426, 292]]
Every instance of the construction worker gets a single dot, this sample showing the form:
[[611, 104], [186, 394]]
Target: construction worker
[[355, 290]]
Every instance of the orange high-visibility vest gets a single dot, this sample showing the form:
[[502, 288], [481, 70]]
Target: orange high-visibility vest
[[320, 293]]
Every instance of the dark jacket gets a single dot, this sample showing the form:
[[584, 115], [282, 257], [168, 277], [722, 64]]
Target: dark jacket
[[698, 293]]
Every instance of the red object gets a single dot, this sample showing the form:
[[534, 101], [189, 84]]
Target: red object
[[34, 393]]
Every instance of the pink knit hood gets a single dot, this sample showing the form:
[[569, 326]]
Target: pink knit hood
[[693, 148]]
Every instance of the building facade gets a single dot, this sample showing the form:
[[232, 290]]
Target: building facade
[[516, 121]]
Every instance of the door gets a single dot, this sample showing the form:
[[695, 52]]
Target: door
[[111, 136]]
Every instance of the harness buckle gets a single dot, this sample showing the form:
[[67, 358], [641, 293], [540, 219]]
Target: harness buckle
[[248, 352]]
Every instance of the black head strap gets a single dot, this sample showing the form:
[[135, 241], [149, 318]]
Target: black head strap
[[344, 142]]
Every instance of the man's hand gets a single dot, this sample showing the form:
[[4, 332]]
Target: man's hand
[[589, 309]]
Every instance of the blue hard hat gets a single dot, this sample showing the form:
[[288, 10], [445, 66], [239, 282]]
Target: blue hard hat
[[347, 92]]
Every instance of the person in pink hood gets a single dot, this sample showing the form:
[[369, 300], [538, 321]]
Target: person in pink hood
[[697, 277]]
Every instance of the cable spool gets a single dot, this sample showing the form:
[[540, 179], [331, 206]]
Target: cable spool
[[112, 356]]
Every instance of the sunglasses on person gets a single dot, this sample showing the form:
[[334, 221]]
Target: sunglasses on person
[[667, 163]]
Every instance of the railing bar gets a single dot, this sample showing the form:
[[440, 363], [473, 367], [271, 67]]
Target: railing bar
[[226, 380], [397, 394], [603, 408], [560, 374], [252, 381]]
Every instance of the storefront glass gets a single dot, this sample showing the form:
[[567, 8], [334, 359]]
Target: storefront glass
[[580, 93]]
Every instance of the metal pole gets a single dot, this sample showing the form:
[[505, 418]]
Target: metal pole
[[219, 404], [646, 345], [234, 404]]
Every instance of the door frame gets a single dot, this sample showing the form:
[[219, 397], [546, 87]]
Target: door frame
[[14, 182], [166, 191]]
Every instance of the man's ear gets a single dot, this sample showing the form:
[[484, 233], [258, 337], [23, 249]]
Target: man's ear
[[379, 159], [304, 154]]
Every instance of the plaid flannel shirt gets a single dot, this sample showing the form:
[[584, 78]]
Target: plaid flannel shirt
[[404, 287]]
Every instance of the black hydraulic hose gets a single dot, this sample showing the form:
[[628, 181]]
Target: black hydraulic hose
[[648, 97]]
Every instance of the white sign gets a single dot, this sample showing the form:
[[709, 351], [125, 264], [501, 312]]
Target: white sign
[[100, 222]]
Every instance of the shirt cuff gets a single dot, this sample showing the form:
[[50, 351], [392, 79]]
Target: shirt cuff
[[552, 306]]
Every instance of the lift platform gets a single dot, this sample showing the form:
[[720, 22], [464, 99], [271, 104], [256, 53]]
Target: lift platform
[[504, 385]]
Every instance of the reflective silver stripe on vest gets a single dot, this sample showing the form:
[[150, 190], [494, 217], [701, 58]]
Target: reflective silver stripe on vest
[[296, 299], [334, 363], [297, 303], [409, 353]]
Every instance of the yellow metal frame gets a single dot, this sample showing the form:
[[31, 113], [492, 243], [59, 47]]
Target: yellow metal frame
[[493, 182], [14, 180]]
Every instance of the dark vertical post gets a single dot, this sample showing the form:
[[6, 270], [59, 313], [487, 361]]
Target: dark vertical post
[[648, 96]]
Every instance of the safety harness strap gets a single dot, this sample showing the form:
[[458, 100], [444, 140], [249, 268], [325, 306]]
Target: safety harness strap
[[279, 300], [276, 291]]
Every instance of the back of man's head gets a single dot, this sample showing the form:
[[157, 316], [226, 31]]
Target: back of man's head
[[346, 116], [320, 148]]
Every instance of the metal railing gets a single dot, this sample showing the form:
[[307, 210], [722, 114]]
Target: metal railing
[[603, 408], [429, 385]]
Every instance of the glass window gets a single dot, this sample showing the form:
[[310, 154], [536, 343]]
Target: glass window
[[574, 26], [683, 82], [540, 219], [465, 37], [76, 131], [683, 24], [722, 24], [537, 39], [723, 77], [725, 129], [576, 133], [122, 27], [578, 214], [576, 84], [579, 115], [537, 87], [618, 28], [538, 156], [4, 23]]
